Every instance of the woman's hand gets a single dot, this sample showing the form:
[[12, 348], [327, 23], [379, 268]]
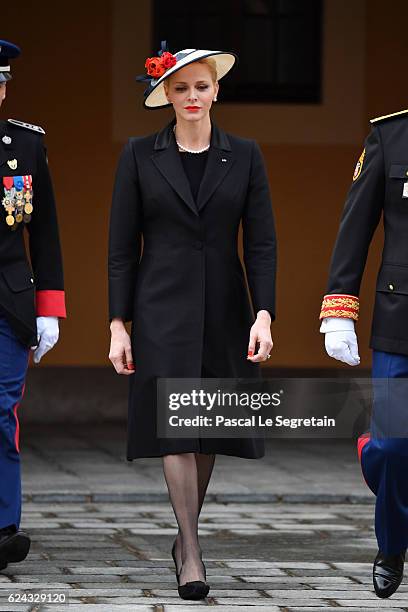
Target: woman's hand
[[261, 333], [120, 352]]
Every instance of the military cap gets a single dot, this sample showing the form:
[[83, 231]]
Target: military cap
[[8, 51]]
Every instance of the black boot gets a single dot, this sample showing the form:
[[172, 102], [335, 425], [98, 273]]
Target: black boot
[[387, 573], [14, 546]]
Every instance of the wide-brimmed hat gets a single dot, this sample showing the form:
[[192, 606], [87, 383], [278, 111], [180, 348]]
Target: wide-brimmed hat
[[166, 63], [8, 51]]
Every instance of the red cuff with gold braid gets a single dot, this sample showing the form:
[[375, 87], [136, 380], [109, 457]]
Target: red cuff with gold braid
[[50, 303], [340, 305]]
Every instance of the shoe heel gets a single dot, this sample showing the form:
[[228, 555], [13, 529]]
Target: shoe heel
[[173, 554]]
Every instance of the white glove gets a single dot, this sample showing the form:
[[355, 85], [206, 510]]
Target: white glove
[[340, 339], [48, 333]]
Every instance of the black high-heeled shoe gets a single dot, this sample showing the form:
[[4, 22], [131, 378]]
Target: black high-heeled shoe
[[173, 554], [196, 589]]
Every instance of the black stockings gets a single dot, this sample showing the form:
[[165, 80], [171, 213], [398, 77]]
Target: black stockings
[[187, 476]]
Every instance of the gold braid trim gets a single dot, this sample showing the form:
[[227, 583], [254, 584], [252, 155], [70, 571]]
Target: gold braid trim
[[345, 306], [340, 301], [346, 314]]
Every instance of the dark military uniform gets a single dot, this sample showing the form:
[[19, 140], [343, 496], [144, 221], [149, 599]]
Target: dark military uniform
[[380, 189], [25, 295], [28, 289], [380, 186]]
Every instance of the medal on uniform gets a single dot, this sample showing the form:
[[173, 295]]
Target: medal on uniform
[[28, 196], [18, 183], [405, 190], [28, 207], [12, 164], [8, 182], [18, 199], [19, 202], [8, 201]]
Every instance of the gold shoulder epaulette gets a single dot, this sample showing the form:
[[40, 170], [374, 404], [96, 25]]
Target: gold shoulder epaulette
[[376, 119]]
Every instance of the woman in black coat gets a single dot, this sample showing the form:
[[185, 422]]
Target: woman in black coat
[[185, 191]]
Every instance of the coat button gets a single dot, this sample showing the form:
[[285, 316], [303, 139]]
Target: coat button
[[198, 245], [391, 287], [31, 280]]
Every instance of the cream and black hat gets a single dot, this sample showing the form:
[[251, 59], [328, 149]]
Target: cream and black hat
[[8, 51], [165, 64]]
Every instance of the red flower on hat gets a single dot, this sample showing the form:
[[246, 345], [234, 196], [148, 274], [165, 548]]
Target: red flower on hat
[[168, 60], [157, 66], [154, 67]]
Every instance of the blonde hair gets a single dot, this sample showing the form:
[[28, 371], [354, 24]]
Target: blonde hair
[[208, 61]]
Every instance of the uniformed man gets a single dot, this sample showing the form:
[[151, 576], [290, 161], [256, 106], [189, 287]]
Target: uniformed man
[[31, 296], [379, 188]]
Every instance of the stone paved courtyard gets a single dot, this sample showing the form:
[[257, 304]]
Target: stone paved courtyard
[[102, 530]]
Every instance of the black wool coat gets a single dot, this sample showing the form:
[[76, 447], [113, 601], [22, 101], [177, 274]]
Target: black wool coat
[[186, 294], [380, 190]]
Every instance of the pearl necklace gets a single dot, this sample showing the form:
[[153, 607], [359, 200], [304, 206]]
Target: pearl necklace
[[180, 146]]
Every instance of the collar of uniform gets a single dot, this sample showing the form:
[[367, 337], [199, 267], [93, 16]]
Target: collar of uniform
[[219, 139], [3, 130], [6, 150]]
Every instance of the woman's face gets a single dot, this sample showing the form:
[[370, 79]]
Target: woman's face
[[191, 90], [2, 92]]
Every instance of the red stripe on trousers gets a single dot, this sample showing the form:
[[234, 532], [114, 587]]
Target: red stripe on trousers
[[361, 442], [17, 434]]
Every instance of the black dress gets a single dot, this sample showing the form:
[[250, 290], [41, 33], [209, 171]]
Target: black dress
[[194, 166]]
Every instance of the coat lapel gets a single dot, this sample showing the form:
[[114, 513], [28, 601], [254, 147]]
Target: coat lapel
[[167, 159], [220, 161]]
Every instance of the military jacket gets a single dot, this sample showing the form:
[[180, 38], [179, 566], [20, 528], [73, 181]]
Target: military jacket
[[31, 280], [379, 191]]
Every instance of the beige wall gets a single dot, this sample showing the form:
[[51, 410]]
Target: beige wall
[[72, 79]]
